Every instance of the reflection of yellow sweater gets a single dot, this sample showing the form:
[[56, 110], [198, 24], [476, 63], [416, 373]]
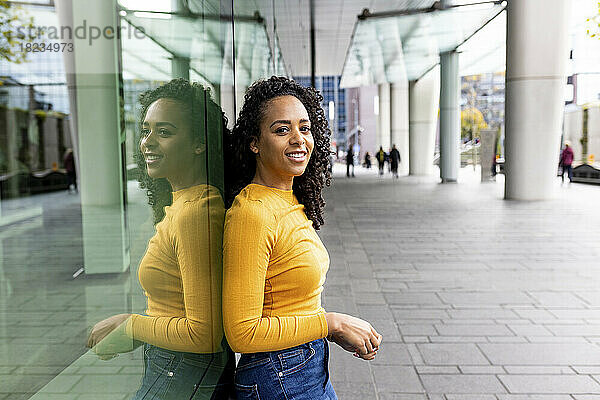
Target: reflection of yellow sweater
[[274, 267], [181, 274]]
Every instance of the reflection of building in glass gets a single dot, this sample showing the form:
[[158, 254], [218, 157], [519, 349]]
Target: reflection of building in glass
[[44, 70], [34, 127], [329, 86]]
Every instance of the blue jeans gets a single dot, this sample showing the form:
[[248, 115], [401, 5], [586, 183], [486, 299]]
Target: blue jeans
[[297, 373], [177, 375]]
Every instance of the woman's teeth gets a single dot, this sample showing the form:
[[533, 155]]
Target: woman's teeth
[[296, 155]]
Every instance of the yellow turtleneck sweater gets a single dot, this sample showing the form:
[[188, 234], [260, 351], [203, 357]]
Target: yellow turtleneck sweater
[[181, 274], [274, 267]]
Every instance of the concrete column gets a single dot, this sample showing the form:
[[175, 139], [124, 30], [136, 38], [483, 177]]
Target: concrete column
[[259, 66], [423, 109], [105, 241], [12, 152], [384, 116], [226, 89], [399, 125], [180, 66], [449, 117], [227, 96], [377, 122], [240, 91], [64, 11], [535, 80], [244, 51]]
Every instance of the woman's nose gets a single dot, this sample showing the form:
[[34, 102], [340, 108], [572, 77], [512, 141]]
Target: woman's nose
[[147, 141], [297, 137]]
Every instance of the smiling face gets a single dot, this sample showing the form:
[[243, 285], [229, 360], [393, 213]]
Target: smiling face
[[285, 143], [168, 145]]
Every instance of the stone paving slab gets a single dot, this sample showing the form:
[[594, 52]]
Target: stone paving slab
[[452, 354], [567, 384], [462, 384], [541, 353]]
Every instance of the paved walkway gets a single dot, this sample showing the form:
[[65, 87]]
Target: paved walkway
[[477, 298]]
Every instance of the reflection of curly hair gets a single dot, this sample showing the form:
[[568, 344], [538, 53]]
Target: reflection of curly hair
[[208, 123], [240, 165]]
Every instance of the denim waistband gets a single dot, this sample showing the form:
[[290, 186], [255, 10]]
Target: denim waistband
[[219, 359]]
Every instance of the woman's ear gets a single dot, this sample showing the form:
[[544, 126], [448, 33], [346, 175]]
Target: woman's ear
[[253, 146]]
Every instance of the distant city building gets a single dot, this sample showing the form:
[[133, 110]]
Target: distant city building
[[362, 120], [329, 86]]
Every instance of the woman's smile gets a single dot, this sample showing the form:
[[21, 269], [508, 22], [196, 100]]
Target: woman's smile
[[297, 156], [152, 158]]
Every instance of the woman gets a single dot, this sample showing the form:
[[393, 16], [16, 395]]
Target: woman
[[185, 353], [274, 263]]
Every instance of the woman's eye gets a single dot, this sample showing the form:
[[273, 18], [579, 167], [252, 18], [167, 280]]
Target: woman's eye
[[145, 132], [164, 132], [281, 129], [305, 129]]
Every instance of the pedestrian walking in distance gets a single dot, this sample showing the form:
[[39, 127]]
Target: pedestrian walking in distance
[[350, 162], [381, 157], [394, 160], [367, 160], [69, 163], [566, 162]]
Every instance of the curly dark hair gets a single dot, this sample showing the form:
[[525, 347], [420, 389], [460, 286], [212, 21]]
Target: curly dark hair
[[208, 123], [240, 164]]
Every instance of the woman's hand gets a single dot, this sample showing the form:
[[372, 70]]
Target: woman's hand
[[108, 337], [353, 335], [103, 328], [115, 343]]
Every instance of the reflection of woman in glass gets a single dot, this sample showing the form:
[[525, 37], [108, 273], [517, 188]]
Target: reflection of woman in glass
[[274, 263], [185, 353]]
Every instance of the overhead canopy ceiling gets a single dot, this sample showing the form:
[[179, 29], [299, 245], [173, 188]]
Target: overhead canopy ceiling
[[397, 48], [289, 21], [334, 24], [284, 30]]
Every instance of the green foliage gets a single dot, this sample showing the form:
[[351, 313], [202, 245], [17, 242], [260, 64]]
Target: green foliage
[[14, 32], [471, 122], [41, 114]]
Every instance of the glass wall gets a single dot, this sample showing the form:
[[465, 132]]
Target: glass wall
[[95, 181]]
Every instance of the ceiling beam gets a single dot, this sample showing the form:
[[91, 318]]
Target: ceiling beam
[[437, 6]]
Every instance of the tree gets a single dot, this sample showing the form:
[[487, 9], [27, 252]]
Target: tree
[[593, 24], [471, 122], [15, 32]]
